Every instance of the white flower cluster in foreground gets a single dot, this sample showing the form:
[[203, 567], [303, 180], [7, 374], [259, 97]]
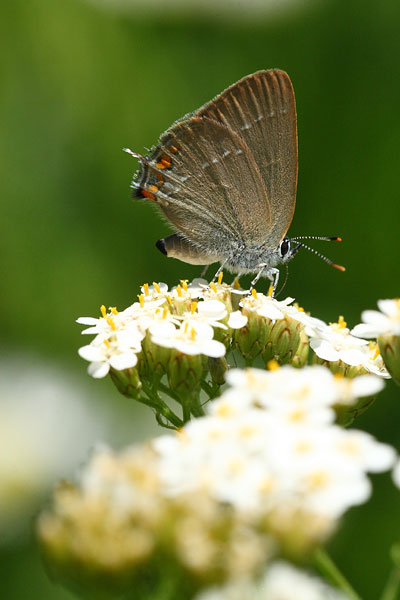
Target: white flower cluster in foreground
[[269, 445], [281, 581], [265, 473]]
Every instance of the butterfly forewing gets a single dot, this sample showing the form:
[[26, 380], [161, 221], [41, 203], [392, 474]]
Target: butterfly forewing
[[209, 186], [261, 109]]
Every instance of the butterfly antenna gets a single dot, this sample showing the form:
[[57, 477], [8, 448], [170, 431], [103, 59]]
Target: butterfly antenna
[[324, 238], [327, 260]]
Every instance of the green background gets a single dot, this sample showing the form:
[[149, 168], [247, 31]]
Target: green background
[[79, 83]]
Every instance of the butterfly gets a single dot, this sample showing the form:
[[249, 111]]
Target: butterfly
[[225, 177]]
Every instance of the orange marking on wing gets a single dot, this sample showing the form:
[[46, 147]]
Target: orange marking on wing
[[164, 163], [147, 194]]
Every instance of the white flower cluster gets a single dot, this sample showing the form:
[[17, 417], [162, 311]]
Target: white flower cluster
[[333, 342], [186, 318], [119, 335], [269, 443], [281, 581]]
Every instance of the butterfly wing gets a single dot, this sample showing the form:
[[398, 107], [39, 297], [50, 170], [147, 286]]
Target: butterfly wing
[[205, 180], [261, 109]]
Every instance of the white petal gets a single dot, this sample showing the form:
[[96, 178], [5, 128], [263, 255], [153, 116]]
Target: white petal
[[187, 347], [87, 321], [214, 349], [352, 357], [162, 329], [123, 361], [270, 312], [367, 385], [366, 331], [396, 474], [91, 352], [212, 308], [237, 320], [324, 349], [98, 369], [389, 307]]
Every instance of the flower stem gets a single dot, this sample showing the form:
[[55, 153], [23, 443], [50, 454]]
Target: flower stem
[[391, 589], [196, 408], [154, 400], [327, 567], [168, 392], [212, 391]]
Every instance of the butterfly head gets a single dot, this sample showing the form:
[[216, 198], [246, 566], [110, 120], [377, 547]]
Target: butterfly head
[[287, 249]]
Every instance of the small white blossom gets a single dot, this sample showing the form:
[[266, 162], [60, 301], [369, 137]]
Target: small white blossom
[[373, 361], [266, 306], [153, 292], [378, 323], [118, 352], [210, 312], [334, 342], [192, 337]]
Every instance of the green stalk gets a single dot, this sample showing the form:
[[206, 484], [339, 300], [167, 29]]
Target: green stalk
[[328, 569]]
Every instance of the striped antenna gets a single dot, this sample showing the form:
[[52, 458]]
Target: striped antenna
[[335, 238], [327, 260]]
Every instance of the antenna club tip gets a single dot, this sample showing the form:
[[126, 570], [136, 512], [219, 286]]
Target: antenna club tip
[[339, 239], [338, 267]]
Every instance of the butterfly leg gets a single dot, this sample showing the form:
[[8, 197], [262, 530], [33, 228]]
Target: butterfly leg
[[221, 268], [272, 274], [257, 277]]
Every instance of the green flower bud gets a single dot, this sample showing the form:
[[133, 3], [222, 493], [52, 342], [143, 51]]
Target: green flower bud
[[301, 356], [283, 340], [127, 381], [389, 347], [346, 414], [185, 373], [251, 339], [155, 360], [218, 367]]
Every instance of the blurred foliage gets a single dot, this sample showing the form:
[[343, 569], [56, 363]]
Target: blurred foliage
[[79, 83]]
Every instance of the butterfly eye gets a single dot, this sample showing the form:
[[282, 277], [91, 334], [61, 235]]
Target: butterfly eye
[[284, 247]]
